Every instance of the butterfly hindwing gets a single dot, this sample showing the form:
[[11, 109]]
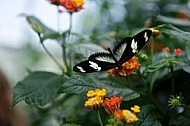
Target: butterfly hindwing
[[96, 62]]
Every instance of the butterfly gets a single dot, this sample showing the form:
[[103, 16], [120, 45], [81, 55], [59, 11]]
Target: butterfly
[[124, 50]]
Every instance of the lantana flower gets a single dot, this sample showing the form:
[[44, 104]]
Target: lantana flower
[[69, 5], [95, 98], [129, 116], [56, 2], [177, 51], [72, 5], [166, 50], [111, 105], [127, 68]]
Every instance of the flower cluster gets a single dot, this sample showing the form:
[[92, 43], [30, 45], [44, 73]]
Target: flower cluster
[[127, 68], [69, 5], [111, 105], [95, 98], [177, 51]]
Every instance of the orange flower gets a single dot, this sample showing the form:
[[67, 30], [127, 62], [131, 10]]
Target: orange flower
[[127, 68], [112, 105], [119, 114], [72, 5], [166, 50], [56, 2], [177, 51]]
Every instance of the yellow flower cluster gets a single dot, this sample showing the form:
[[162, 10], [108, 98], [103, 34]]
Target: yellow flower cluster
[[127, 68], [111, 105], [129, 116], [95, 98]]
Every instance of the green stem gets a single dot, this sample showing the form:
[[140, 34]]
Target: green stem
[[129, 81], [70, 28], [152, 48], [53, 58], [152, 100], [99, 118], [58, 21], [172, 79], [70, 42], [151, 85]]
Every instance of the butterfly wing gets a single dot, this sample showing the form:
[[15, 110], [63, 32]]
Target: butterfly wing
[[96, 62], [123, 51], [130, 46]]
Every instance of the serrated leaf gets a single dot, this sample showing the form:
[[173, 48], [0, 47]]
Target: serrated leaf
[[173, 31], [154, 67], [146, 117], [39, 27], [165, 62], [79, 85], [38, 88], [182, 119]]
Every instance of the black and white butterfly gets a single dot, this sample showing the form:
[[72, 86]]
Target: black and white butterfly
[[122, 52]]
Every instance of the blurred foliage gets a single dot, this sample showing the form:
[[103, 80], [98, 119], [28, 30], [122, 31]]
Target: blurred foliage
[[58, 100]]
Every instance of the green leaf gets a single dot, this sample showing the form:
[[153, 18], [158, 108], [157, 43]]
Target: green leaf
[[166, 62], [175, 21], [38, 88], [187, 69], [146, 117], [70, 125], [39, 27], [171, 30], [158, 65], [79, 85], [182, 119]]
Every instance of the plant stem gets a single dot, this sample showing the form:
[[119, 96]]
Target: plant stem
[[172, 80], [70, 42], [99, 118], [58, 21], [53, 58]]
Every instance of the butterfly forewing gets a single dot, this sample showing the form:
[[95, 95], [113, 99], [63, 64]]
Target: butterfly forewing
[[135, 44], [120, 48]]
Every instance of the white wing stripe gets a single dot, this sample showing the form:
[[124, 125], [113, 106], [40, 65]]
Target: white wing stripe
[[81, 69], [94, 66], [105, 59], [134, 46], [146, 37], [120, 51]]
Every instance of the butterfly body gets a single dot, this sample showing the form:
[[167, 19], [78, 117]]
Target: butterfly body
[[122, 52]]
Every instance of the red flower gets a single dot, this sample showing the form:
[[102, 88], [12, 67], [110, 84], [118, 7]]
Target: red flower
[[56, 2], [112, 105], [177, 51], [72, 5]]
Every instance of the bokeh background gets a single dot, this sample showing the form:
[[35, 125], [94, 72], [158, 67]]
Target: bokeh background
[[20, 49]]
